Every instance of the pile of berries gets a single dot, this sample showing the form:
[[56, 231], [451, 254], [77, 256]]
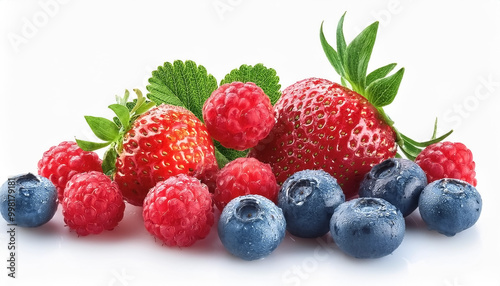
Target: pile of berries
[[256, 211], [321, 161]]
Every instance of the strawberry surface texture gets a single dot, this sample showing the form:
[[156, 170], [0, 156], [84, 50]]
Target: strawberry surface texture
[[163, 142], [323, 125]]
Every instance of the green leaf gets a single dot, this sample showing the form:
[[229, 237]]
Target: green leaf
[[341, 44], [382, 91], [259, 74], [379, 73], [109, 161], [330, 53], [103, 128], [145, 107], [227, 155], [122, 113], [91, 146], [358, 55], [410, 151], [426, 143], [183, 84]]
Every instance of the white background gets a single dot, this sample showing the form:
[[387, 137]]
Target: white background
[[61, 60]]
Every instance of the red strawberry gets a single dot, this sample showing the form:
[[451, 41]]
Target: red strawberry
[[163, 142], [344, 131], [149, 144], [322, 125]]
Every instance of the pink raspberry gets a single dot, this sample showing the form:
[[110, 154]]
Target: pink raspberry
[[92, 203], [447, 160], [244, 176], [238, 115], [178, 211], [63, 161]]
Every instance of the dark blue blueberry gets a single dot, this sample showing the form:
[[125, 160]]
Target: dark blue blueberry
[[367, 227], [398, 181], [308, 199], [450, 206], [251, 227], [27, 200]]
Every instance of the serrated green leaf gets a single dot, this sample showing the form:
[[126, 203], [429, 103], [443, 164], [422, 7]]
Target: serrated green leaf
[[259, 74], [122, 113], [358, 55], [330, 53], [109, 161], [341, 44], [103, 128], [382, 92], [183, 84], [91, 146], [379, 73], [228, 155]]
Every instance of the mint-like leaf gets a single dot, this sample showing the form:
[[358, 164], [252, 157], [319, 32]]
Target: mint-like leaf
[[382, 91], [259, 74], [103, 128], [183, 84]]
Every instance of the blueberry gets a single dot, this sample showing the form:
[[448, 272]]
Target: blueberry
[[308, 199], [28, 200], [450, 206], [251, 227], [367, 227], [398, 181]]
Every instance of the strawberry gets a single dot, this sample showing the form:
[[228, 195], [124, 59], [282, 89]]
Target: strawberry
[[165, 141], [340, 129], [151, 145], [322, 125]]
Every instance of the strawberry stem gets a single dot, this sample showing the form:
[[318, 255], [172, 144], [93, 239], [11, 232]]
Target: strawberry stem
[[378, 87]]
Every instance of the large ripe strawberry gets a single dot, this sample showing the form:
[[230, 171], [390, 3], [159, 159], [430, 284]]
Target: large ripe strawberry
[[151, 145], [344, 131], [322, 125]]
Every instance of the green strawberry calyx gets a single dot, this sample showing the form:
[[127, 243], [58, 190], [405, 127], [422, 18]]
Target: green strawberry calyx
[[379, 87], [187, 84], [111, 132]]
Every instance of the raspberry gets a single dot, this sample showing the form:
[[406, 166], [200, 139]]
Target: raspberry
[[92, 203], [244, 176], [178, 211], [447, 160], [238, 115], [63, 161]]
